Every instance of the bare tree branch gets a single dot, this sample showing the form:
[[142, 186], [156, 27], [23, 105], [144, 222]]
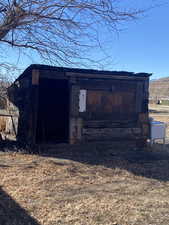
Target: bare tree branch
[[58, 29]]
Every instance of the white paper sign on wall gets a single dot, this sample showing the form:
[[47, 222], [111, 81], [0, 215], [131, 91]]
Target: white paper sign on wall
[[82, 100]]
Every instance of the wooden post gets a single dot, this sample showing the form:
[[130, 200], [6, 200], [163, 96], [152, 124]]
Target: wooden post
[[34, 103], [139, 96], [75, 121], [142, 110]]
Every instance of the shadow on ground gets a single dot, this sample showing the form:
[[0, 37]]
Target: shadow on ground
[[11, 213], [149, 162]]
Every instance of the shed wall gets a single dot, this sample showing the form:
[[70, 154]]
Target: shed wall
[[114, 108]]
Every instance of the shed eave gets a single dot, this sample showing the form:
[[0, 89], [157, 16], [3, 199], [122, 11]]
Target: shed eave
[[84, 72]]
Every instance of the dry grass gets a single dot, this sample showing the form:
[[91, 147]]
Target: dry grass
[[129, 188], [91, 184]]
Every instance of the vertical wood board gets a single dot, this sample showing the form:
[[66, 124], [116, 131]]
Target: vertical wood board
[[82, 100], [34, 98], [74, 101], [139, 97], [35, 77]]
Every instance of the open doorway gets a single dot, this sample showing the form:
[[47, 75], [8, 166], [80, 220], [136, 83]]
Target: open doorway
[[53, 111]]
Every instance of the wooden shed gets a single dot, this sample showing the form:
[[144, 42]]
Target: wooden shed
[[67, 105]]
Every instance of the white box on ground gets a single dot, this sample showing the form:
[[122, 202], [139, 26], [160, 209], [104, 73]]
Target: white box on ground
[[157, 131]]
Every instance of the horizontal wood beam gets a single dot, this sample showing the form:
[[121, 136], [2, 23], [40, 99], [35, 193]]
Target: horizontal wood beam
[[52, 74], [104, 76]]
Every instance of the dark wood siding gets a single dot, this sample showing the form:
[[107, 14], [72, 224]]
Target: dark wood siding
[[110, 105], [110, 100], [114, 105]]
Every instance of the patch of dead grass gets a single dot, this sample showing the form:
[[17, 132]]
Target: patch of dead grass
[[116, 191], [100, 184]]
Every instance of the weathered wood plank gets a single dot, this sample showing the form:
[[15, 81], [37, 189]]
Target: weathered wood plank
[[108, 134], [34, 103], [146, 96], [108, 105], [110, 123], [108, 85], [75, 130], [52, 74], [74, 101], [105, 76], [139, 97], [35, 77]]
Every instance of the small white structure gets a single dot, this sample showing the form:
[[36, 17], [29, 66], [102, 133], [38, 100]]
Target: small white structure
[[157, 131]]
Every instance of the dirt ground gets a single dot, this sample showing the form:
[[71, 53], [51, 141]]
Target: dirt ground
[[110, 184]]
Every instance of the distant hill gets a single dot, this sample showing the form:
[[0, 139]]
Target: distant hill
[[159, 88]]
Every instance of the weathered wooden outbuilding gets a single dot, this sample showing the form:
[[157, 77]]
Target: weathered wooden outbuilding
[[56, 104]]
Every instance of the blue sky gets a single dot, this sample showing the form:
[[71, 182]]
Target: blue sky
[[144, 44], [140, 46]]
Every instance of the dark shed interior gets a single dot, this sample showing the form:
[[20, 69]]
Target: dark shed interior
[[53, 111]]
